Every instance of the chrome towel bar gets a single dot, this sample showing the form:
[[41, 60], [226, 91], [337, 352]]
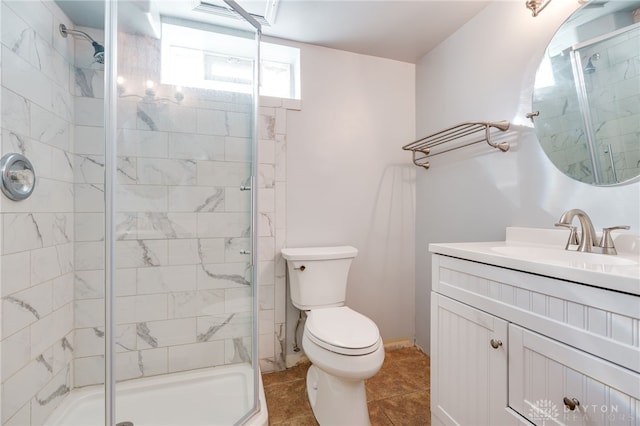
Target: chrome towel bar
[[464, 133]]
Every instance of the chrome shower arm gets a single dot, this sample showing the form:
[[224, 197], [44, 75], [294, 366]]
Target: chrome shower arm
[[66, 31], [99, 49]]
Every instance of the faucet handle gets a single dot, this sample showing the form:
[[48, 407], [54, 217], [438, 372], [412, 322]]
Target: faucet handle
[[573, 234], [606, 242]]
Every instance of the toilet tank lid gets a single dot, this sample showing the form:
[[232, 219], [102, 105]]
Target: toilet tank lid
[[319, 253]]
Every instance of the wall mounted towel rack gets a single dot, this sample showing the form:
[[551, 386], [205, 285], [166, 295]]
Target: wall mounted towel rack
[[464, 133]]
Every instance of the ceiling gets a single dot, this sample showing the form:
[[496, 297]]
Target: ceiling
[[394, 29], [402, 30]]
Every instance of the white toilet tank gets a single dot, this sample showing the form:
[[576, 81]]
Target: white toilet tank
[[318, 275]]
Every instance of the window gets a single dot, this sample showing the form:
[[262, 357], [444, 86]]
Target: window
[[279, 71], [545, 76], [221, 61]]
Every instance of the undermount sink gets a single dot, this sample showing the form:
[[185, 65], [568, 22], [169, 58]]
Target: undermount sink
[[560, 256]]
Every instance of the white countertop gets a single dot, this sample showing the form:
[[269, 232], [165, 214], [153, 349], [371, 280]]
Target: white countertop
[[520, 252]]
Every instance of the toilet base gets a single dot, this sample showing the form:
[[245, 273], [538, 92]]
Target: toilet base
[[336, 401]]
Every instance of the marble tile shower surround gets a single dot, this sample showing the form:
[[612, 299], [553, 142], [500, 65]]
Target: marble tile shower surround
[[609, 90], [37, 254], [183, 299], [272, 231], [183, 295]]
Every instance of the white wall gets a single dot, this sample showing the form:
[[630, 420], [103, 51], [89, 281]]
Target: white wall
[[348, 180], [485, 71]]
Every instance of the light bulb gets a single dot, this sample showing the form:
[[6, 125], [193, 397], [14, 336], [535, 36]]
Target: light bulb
[[150, 92]]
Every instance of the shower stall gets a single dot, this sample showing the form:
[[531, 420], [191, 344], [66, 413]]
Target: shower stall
[[128, 232]]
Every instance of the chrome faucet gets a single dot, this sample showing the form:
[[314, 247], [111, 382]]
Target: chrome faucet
[[588, 238]]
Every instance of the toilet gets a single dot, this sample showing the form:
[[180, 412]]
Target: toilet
[[344, 346]]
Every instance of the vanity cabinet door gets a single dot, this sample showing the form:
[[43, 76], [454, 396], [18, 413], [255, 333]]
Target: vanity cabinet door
[[552, 383], [468, 365]]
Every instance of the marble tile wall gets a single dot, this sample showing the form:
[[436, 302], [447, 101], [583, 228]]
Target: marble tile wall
[[272, 129], [561, 131], [88, 91], [36, 258], [182, 281]]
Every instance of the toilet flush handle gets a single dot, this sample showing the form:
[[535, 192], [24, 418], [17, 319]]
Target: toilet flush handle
[[301, 268]]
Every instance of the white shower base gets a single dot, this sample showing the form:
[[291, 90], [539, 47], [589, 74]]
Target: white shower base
[[212, 396]]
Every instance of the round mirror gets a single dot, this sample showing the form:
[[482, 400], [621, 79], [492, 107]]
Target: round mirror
[[586, 99]]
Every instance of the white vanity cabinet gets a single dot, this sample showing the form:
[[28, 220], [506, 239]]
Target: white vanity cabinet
[[543, 373], [471, 360], [513, 347]]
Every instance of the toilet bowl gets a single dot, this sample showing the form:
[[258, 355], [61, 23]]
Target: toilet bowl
[[342, 358], [343, 345]]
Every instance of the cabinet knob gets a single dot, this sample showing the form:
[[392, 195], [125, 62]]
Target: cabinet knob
[[495, 344], [571, 403]]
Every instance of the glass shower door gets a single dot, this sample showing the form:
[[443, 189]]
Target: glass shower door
[[183, 224]]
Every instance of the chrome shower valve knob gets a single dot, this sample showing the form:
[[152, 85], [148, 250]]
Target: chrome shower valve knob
[[18, 176]]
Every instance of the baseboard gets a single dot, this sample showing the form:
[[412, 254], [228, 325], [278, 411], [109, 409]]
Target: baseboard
[[295, 358], [422, 349], [399, 343]]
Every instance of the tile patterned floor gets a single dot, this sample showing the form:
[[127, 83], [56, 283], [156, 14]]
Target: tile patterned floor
[[397, 395]]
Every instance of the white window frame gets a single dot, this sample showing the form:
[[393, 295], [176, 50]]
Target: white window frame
[[186, 52]]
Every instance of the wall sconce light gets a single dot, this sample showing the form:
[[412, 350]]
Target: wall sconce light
[[120, 80], [178, 95], [536, 6], [149, 89], [149, 93]]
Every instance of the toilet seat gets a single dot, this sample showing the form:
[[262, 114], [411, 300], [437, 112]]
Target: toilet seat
[[342, 330]]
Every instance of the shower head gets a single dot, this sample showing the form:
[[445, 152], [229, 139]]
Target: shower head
[[98, 54], [590, 68]]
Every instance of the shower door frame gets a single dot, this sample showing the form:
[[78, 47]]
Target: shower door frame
[[110, 171], [583, 102]]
